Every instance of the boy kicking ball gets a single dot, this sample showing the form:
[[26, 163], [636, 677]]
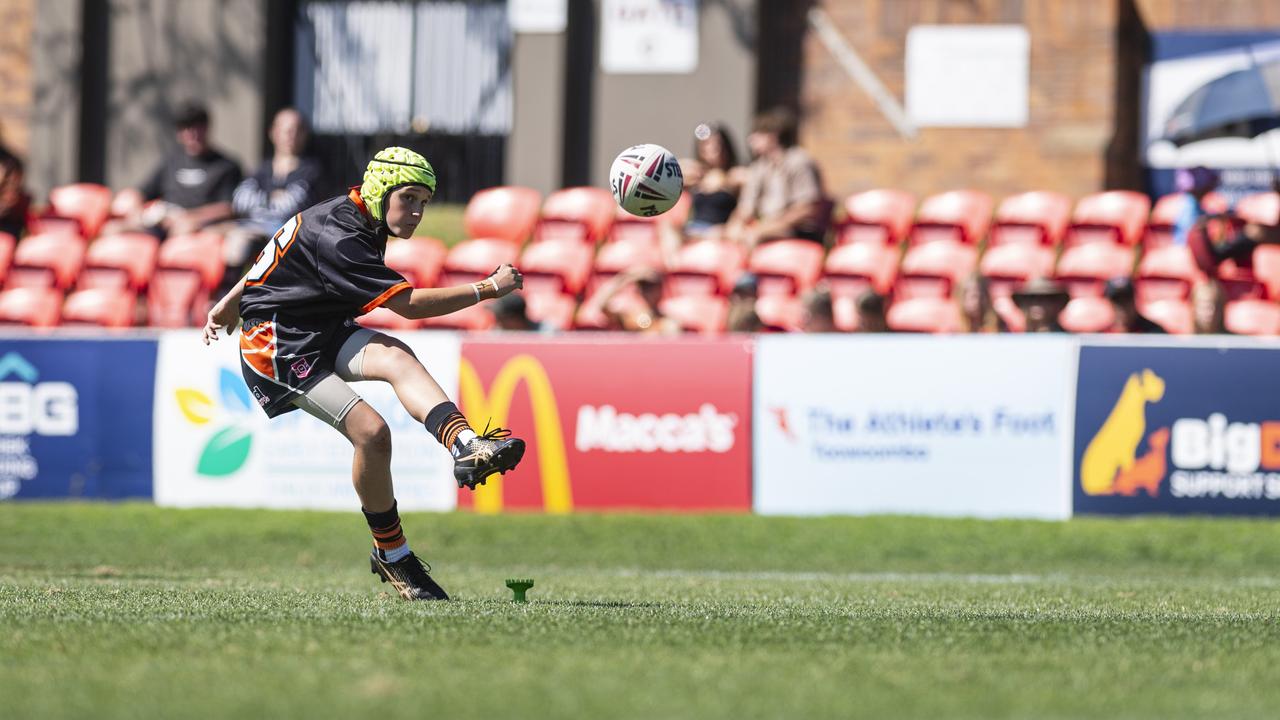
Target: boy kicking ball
[[300, 344]]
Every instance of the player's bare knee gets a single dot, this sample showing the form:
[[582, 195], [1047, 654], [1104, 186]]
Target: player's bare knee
[[369, 432]]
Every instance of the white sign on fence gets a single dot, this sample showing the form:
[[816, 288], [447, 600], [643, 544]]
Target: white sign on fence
[[649, 36]]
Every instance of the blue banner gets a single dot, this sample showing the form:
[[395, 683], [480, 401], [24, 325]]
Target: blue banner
[[75, 418], [1178, 430]]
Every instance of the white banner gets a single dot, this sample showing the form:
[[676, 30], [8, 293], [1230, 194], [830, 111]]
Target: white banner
[[968, 75], [215, 447], [962, 426], [649, 36]]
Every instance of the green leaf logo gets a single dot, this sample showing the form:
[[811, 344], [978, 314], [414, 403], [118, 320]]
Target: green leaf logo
[[226, 452]]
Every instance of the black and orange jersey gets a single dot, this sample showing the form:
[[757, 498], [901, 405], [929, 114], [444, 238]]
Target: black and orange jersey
[[325, 263]]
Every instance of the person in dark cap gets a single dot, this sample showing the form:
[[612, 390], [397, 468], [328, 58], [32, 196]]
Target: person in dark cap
[[742, 305], [871, 313], [510, 312], [1041, 301], [1128, 320]]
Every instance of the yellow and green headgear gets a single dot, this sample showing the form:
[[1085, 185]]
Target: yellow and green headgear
[[392, 168]]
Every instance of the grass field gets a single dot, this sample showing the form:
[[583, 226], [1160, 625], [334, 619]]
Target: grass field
[[132, 611]]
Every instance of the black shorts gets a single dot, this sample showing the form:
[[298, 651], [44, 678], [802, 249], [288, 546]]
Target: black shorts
[[281, 359]]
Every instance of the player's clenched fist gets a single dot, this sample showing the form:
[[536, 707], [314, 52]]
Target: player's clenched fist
[[505, 280]]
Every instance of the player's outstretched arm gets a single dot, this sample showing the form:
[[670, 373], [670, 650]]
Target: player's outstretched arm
[[224, 313], [433, 302]]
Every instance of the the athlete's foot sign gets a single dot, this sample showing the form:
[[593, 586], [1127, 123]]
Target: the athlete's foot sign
[[223, 315], [493, 452]]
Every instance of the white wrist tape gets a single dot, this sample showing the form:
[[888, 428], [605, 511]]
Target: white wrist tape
[[475, 287], [495, 286]]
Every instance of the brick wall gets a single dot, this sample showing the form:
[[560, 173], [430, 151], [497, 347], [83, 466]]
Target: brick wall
[[17, 24]]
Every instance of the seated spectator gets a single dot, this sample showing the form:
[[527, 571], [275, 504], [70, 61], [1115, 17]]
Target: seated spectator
[[511, 313], [1041, 301], [871, 313], [818, 315], [15, 202], [782, 196], [285, 184], [194, 184], [1193, 184], [1208, 308], [742, 305], [639, 312], [977, 314], [1123, 300], [713, 179], [1217, 238]]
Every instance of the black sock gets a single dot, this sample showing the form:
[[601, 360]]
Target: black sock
[[446, 424], [388, 538]]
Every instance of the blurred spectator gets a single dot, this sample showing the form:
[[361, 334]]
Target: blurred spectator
[[638, 312], [15, 203], [871, 313], [1123, 300], [713, 179], [193, 185], [511, 313], [1215, 238], [284, 185], [977, 314], [1208, 308], [1041, 301], [1193, 184], [742, 305], [817, 313], [782, 196]]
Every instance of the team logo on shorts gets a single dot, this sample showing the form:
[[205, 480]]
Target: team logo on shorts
[[302, 368], [262, 399]]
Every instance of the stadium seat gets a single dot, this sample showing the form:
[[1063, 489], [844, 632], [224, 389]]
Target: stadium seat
[[506, 213], [933, 269], [87, 205], [1175, 316], [616, 257], [780, 313], [578, 214], [1266, 267], [1116, 216], [1159, 230], [7, 245], [1262, 208], [553, 309], [199, 253], [472, 260], [555, 267], [786, 267], [703, 314], [1084, 269], [418, 259], [628, 228], [1166, 272], [924, 315], [32, 306], [111, 307], [879, 217], [1253, 317], [705, 267], [120, 261], [958, 215], [850, 269], [47, 260], [844, 313], [188, 269], [1087, 314], [474, 317], [385, 318], [1036, 218], [1008, 266], [1240, 282]]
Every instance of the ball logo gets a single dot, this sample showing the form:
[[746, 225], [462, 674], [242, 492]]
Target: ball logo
[[604, 428]]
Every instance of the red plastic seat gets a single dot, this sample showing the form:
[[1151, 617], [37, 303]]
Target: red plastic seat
[[32, 306], [188, 269], [704, 314], [780, 313], [1008, 266], [87, 205], [705, 267], [1253, 317], [879, 217], [385, 318], [1159, 231], [578, 214], [1036, 218], [1266, 267], [111, 307], [1166, 272], [1087, 314], [475, 317], [48, 260], [7, 245], [933, 269], [553, 309], [616, 257], [1240, 283], [506, 213], [418, 259], [924, 315], [628, 228], [199, 253], [1117, 216], [471, 260], [1175, 316], [844, 313], [786, 267], [851, 269], [1262, 208], [1085, 269], [120, 261], [555, 268], [959, 215]]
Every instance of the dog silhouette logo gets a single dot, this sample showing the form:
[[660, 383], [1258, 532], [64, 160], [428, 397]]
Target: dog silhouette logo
[[1110, 465]]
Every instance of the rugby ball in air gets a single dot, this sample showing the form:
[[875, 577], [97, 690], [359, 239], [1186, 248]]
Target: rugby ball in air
[[646, 180]]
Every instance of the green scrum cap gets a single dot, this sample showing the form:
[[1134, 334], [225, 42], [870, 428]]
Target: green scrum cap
[[392, 168]]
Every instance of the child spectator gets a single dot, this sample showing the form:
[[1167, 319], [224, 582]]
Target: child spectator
[[639, 312], [818, 315], [742, 305], [782, 196], [977, 313], [1123, 301], [871, 313], [1208, 308]]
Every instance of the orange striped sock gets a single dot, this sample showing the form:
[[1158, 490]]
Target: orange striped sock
[[388, 538], [449, 427]]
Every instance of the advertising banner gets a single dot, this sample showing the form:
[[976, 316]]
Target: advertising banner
[[214, 446], [614, 422], [967, 426], [75, 418], [1178, 430]]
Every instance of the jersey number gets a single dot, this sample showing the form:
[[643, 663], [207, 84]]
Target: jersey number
[[271, 254]]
